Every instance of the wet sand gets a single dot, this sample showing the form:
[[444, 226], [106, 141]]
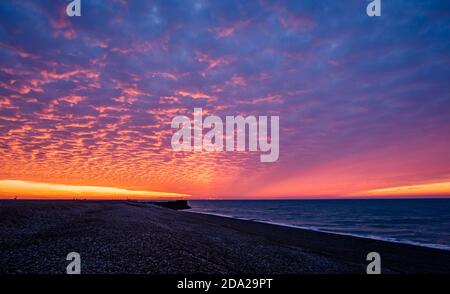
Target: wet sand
[[129, 237]]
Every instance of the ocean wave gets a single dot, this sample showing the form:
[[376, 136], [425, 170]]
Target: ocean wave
[[319, 229]]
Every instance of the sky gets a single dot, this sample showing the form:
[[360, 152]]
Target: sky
[[86, 102]]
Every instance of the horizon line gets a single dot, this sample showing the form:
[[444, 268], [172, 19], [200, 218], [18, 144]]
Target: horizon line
[[224, 199]]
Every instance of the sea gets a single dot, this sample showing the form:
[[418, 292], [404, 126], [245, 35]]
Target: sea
[[423, 222]]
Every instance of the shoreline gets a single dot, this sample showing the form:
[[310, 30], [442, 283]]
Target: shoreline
[[390, 240], [410, 258], [137, 238]]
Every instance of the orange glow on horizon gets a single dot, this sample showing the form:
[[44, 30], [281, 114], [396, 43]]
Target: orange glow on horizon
[[37, 190], [435, 189]]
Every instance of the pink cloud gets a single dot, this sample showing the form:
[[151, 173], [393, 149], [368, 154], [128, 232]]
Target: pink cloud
[[195, 95]]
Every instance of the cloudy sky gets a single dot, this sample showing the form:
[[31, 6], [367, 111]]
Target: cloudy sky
[[364, 103]]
